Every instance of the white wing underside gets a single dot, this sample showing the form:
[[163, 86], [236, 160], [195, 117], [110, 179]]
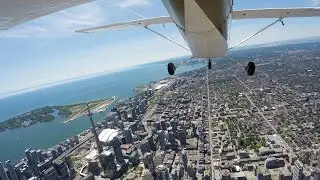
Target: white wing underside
[[129, 24], [15, 12], [275, 13], [201, 44], [236, 15]]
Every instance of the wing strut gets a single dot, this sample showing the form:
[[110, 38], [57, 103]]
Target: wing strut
[[258, 32], [146, 27]]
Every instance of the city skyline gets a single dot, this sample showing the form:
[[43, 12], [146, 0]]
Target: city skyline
[[209, 123], [46, 50]]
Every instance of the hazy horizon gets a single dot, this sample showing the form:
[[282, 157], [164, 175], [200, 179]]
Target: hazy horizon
[[70, 80]]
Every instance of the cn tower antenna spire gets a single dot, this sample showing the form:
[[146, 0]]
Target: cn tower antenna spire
[[93, 129]]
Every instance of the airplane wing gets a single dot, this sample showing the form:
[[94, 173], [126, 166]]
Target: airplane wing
[[14, 12], [275, 13], [128, 24]]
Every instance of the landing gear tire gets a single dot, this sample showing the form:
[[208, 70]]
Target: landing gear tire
[[251, 67], [171, 68], [209, 64]]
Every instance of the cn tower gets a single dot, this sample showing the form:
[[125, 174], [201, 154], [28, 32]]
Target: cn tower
[[93, 129]]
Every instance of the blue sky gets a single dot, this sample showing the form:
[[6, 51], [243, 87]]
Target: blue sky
[[47, 50]]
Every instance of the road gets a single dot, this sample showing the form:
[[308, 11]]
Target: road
[[262, 115], [210, 131], [281, 85], [147, 116], [83, 140], [251, 102]]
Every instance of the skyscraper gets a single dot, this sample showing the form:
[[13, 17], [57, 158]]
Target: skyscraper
[[59, 149], [144, 146], [138, 112], [163, 124], [162, 172], [134, 102], [201, 131], [182, 137], [117, 150], [316, 175], [180, 170], [54, 153], [11, 170], [3, 174], [120, 124], [34, 155], [153, 130], [39, 155], [193, 171], [76, 139], [141, 108], [127, 135], [174, 174], [297, 170], [61, 168], [115, 109], [93, 166], [151, 143], [225, 173], [144, 103], [162, 140], [148, 162], [21, 171], [194, 129], [116, 120], [111, 116], [158, 125], [134, 158], [173, 124], [133, 113], [125, 114], [108, 164], [183, 127], [31, 161], [50, 173], [172, 140], [184, 155]]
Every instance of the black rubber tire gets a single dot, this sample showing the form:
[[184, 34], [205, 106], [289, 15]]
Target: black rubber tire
[[251, 68], [171, 68]]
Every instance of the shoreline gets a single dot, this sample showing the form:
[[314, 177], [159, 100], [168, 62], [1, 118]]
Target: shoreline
[[79, 124]]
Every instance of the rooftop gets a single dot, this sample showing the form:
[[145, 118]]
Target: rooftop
[[108, 135]]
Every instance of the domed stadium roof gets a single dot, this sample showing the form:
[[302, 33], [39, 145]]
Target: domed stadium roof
[[108, 135]]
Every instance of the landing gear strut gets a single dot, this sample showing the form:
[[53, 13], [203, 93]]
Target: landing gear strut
[[250, 68], [171, 68]]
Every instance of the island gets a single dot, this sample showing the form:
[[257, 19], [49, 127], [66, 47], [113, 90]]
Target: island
[[49, 113]]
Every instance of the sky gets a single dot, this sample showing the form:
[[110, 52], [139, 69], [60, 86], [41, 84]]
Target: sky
[[47, 50]]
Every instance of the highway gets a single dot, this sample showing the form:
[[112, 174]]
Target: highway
[[83, 140], [149, 112]]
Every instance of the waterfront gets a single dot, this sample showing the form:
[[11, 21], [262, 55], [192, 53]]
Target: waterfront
[[44, 135]]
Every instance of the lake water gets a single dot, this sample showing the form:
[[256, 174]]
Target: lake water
[[45, 135]]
